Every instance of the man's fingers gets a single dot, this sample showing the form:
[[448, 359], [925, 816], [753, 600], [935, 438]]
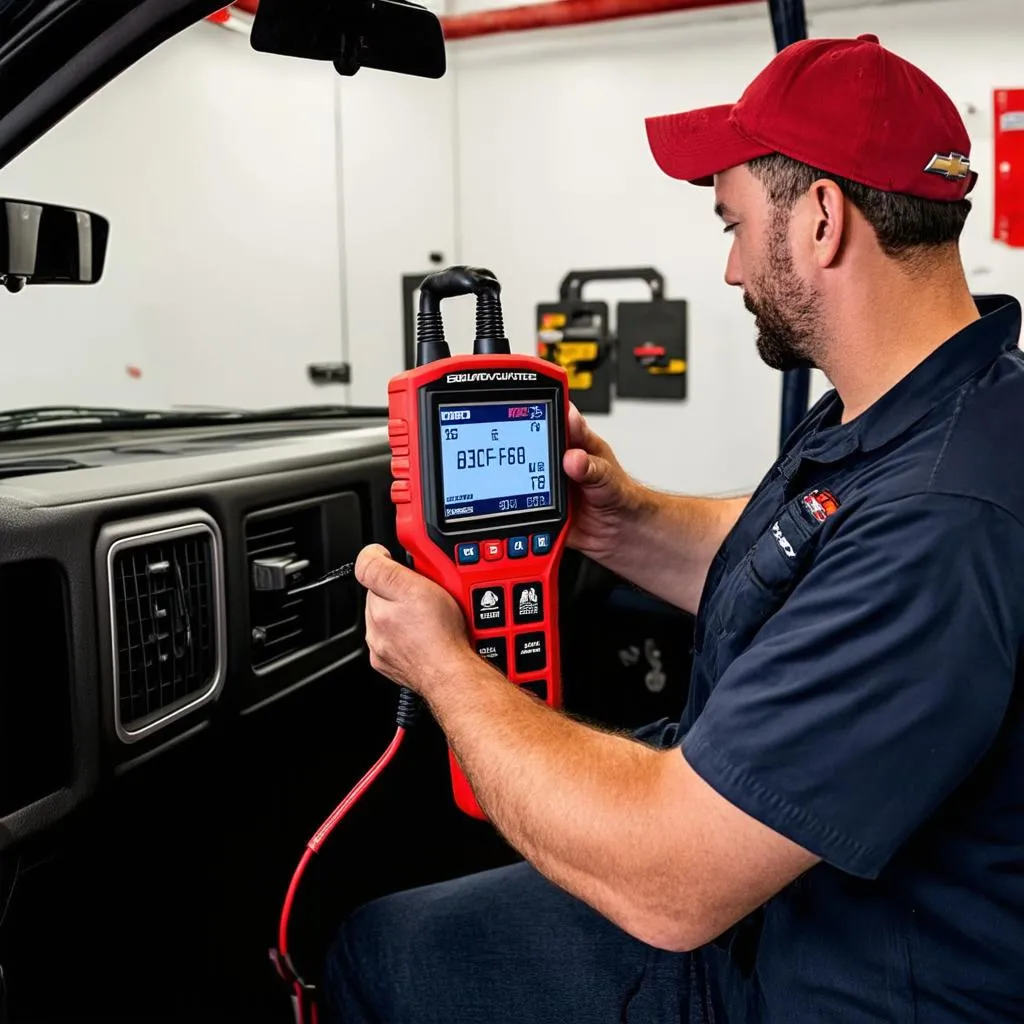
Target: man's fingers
[[579, 431], [581, 436], [583, 462], [576, 464], [379, 572]]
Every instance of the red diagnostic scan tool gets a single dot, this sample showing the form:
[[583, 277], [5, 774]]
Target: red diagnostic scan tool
[[482, 501]]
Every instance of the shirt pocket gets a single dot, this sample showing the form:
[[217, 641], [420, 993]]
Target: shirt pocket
[[761, 583], [781, 553]]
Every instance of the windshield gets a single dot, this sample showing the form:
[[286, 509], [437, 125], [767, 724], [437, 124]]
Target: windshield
[[220, 173], [16, 13]]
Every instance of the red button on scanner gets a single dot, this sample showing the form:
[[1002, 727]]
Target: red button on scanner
[[400, 492], [491, 550]]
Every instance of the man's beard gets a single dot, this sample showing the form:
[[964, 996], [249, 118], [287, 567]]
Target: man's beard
[[787, 311]]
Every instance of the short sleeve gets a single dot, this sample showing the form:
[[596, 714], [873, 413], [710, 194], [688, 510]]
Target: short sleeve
[[878, 686], [661, 734]]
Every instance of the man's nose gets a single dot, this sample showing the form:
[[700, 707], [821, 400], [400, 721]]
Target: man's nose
[[734, 269]]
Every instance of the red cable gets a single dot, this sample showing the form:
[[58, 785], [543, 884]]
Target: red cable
[[320, 838]]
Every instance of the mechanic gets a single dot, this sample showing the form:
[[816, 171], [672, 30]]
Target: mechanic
[[835, 829]]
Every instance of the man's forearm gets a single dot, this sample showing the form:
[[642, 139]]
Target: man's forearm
[[573, 800], [671, 545]]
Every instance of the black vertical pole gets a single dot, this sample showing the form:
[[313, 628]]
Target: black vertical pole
[[789, 23]]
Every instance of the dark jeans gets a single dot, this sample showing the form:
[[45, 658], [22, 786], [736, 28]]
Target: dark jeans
[[500, 947]]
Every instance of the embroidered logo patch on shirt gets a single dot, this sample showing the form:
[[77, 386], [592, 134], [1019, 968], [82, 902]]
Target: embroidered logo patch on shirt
[[819, 505], [780, 539]]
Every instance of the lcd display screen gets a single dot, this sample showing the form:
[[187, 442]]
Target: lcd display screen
[[495, 459]]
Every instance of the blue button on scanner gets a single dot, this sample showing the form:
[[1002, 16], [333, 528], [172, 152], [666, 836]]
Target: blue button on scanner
[[467, 554], [541, 543], [517, 547]]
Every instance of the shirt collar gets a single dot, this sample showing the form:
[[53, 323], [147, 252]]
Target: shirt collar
[[978, 345]]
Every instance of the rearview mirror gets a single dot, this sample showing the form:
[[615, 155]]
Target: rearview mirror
[[388, 35], [43, 244]]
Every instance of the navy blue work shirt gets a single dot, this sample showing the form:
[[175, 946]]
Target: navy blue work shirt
[[858, 687]]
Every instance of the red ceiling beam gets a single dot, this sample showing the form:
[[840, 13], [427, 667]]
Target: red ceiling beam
[[551, 14]]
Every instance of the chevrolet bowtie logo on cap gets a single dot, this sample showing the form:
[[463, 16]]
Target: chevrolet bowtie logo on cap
[[954, 166]]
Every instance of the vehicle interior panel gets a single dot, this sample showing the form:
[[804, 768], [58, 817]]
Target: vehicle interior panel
[[187, 832], [178, 715]]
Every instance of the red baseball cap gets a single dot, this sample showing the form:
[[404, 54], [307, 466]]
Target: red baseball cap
[[845, 106]]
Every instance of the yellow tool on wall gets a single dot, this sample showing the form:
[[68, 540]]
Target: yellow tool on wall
[[577, 358], [574, 335]]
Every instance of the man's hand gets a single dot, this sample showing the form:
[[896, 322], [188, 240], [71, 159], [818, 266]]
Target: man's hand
[[607, 498], [414, 629]]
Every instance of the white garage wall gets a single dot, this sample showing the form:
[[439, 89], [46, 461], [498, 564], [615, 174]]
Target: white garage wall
[[217, 168], [264, 210], [398, 188], [556, 175]]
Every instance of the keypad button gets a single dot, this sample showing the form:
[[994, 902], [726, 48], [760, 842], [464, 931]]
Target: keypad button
[[541, 543], [517, 547], [530, 653], [492, 550], [527, 603], [495, 651], [466, 554], [489, 607], [538, 687]]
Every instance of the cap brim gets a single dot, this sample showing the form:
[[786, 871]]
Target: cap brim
[[699, 144]]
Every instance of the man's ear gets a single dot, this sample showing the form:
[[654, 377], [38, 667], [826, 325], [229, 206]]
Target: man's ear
[[829, 212]]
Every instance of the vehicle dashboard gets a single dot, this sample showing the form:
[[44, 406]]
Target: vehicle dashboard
[[129, 616]]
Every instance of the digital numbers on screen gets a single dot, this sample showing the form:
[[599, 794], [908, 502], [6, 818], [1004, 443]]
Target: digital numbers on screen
[[495, 459], [484, 458]]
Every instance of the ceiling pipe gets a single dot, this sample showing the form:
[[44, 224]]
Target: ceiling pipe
[[559, 13], [552, 14]]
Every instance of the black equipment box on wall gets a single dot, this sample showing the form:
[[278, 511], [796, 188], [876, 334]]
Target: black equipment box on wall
[[651, 349]]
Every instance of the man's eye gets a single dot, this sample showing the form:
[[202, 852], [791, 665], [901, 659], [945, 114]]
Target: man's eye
[[729, 229]]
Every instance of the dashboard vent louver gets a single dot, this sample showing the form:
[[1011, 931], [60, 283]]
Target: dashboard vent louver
[[284, 624], [167, 612]]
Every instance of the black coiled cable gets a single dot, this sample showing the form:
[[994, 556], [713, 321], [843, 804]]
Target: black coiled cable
[[490, 326], [409, 707], [430, 327], [489, 320]]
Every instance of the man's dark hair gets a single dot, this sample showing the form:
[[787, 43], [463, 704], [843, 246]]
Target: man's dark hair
[[906, 226]]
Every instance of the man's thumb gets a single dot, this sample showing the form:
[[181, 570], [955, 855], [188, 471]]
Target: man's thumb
[[586, 470], [378, 571]]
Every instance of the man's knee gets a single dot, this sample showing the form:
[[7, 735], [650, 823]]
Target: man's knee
[[356, 961], [401, 953]]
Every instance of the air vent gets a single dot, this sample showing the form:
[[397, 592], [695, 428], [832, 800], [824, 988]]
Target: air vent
[[167, 612], [285, 548]]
